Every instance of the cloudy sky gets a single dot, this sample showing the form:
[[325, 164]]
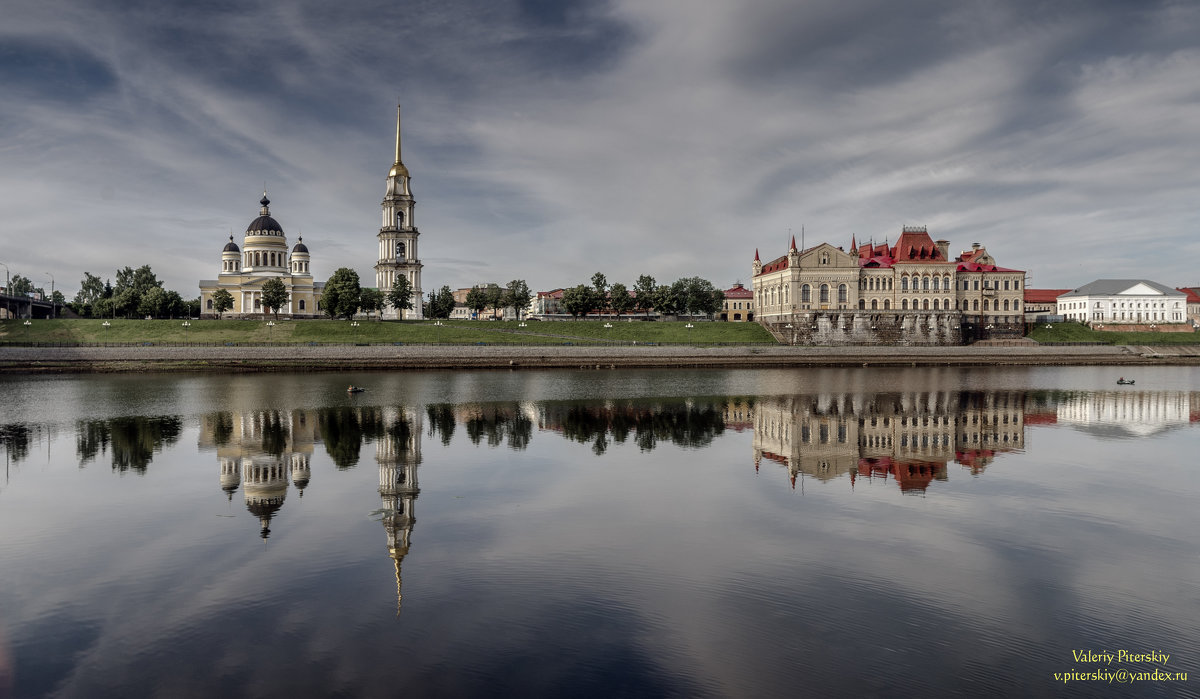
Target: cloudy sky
[[549, 140]]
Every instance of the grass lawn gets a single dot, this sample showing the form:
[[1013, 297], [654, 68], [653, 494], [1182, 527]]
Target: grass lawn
[[1075, 332], [70, 331]]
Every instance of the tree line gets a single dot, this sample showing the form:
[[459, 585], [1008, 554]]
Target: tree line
[[687, 296], [137, 293]]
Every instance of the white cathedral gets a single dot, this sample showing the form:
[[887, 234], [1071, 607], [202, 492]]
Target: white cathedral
[[264, 255]]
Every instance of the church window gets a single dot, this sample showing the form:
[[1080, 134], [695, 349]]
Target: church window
[[257, 260], [399, 219], [302, 304], [399, 251], [210, 306]]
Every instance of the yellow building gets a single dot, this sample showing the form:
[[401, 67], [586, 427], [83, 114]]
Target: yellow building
[[264, 255]]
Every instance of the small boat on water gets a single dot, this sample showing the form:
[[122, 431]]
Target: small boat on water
[[355, 389], [1124, 381]]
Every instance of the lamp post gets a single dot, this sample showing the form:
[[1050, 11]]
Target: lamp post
[[106, 324], [27, 324], [186, 325], [52, 309], [354, 324], [270, 331]]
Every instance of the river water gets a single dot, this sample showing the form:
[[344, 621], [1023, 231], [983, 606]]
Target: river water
[[756, 533]]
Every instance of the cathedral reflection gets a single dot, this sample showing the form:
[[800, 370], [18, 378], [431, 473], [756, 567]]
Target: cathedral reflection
[[908, 437], [265, 453]]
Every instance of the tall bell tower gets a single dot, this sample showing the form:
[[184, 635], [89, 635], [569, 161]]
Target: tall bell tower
[[398, 237]]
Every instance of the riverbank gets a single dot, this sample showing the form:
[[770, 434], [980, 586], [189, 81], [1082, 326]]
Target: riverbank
[[268, 358]]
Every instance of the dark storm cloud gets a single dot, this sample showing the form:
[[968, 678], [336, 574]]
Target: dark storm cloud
[[553, 139]]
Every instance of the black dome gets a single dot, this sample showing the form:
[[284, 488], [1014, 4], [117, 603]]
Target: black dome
[[300, 246], [264, 224], [231, 246]]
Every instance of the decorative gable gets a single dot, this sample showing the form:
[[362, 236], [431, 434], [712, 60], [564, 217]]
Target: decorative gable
[[1140, 289], [826, 255]]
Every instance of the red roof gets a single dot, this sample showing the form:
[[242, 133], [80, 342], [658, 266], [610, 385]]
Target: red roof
[[916, 246], [1043, 295], [972, 267], [556, 294], [1192, 296], [738, 291], [775, 265]]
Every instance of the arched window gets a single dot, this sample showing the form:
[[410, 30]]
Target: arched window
[[925, 283], [903, 283], [874, 304], [936, 284], [842, 293], [399, 219], [824, 293], [935, 301], [975, 304], [927, 304], [805, 294], [210, 304], [257, 260], [302, 304], [1006, 302], [904, 304], [887, 304], [862, 304]]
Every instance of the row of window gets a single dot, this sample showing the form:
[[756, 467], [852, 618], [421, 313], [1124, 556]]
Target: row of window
[[258, 304]]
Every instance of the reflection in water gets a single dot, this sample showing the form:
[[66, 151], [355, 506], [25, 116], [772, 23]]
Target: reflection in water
[[1125, 414], [683, 423], [399, 454], [260, 452], [345, 427], [132, 440], [907, 436]]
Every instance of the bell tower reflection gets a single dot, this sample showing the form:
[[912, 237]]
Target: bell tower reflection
[[909, 437], [398, 452]]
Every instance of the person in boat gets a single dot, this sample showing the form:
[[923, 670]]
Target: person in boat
[[1121, 380]]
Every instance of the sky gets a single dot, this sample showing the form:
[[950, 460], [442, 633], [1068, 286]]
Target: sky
[[549, 140]]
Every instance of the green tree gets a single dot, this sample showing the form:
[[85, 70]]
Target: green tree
[[643, 291], [371, 300], [665, 300], [20, 285], [175, 306], [440, 304], [400, 296], [342, 293], [517, 295], [477, 300], [274, 295], [222, 301], [153, 303], [578, 300], [91, 289], [132, 284], [193, 307], [600, 289], [495, 298], [619, 299]]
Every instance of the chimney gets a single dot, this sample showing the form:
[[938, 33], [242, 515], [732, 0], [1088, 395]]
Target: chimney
[[944, 248]]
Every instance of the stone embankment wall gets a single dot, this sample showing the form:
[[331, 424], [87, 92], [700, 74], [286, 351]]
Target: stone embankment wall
[[342, 357]]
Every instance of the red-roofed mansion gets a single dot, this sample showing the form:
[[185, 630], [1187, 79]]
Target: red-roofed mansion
[[909, 293]]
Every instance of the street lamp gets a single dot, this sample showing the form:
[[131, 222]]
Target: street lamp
[[27, 324], [186, 325], [270, 330], [354, 324], [106, 324], [52, 313]]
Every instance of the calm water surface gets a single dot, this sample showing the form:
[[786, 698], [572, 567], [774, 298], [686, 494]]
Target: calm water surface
[[599, 533]]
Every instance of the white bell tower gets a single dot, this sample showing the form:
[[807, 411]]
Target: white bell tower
[[398, 234]]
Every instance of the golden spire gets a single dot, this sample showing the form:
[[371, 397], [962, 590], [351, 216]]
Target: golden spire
[[398, 166]]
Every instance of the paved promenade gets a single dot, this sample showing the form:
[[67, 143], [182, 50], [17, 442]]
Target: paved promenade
[[335, 357]]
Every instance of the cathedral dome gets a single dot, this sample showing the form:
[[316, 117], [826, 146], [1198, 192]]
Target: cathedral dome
[[264, 224], [231, 246], [300, 246]]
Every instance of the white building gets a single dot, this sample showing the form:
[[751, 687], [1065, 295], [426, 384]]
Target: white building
[[1124, 301]]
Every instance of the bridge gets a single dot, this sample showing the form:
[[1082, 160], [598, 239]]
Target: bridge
[[25, 307]]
